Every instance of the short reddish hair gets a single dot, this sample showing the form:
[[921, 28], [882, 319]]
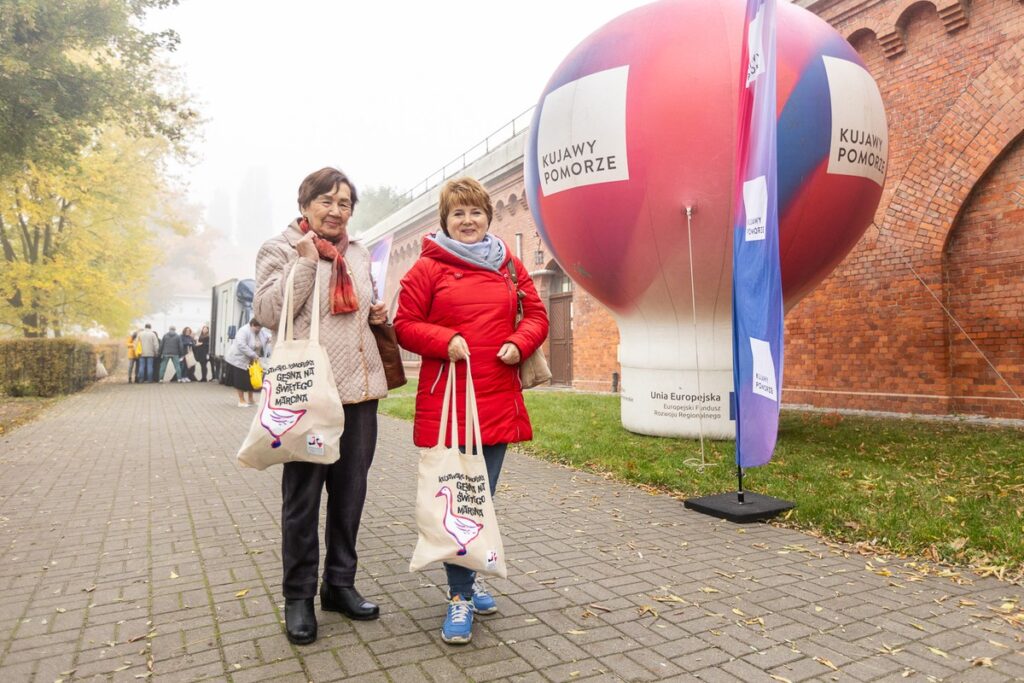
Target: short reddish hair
[[463, 191], [321, 182]]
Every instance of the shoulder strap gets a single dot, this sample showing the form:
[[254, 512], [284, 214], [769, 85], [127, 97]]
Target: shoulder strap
[[520, 294], [512, 272]]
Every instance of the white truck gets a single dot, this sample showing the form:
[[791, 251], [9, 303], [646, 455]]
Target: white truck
[[231, 308]]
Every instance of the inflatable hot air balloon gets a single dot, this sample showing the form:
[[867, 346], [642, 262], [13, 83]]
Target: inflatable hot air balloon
[[639, 123]]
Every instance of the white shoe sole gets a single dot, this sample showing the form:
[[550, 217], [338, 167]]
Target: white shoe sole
[[456, 640]]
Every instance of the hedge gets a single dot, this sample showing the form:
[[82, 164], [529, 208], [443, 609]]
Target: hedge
[[47, 367]]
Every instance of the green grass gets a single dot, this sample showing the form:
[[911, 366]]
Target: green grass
[[949, 491]]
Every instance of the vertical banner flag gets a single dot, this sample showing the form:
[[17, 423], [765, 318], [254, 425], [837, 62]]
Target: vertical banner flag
[[756, 281], [380, 253]]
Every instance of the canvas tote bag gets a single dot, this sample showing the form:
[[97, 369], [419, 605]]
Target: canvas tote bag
[[454, 510], [300, 416]]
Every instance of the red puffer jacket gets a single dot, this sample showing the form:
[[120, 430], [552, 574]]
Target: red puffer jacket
[[443, 295]]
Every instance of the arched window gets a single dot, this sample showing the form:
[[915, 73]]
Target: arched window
[[560, 282]]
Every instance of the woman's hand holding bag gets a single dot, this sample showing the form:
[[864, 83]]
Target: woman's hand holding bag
[[454, 509], [300, 415]]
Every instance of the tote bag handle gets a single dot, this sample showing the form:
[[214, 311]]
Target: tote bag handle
[[286, 326], [472, 416], [471, 411]]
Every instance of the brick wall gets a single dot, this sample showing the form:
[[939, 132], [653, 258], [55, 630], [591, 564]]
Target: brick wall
[[949, 229]]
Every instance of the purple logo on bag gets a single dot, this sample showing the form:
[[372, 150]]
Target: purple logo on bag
[[277, 420], [462, 529]]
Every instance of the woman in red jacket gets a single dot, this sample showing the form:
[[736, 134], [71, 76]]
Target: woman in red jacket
[[459, 300]]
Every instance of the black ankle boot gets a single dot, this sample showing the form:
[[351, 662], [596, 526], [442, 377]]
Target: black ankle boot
[[300, 620], [348, 601]]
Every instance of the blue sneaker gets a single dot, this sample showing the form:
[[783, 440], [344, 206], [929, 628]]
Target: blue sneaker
[[483, 602], [458, 624]]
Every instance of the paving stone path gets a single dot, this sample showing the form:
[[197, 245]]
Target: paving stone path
[[133, 547]]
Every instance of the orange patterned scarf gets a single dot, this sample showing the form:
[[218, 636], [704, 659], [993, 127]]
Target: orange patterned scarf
[[343, 294]]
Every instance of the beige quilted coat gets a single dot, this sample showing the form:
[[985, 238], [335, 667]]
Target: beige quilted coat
[[347, 338]]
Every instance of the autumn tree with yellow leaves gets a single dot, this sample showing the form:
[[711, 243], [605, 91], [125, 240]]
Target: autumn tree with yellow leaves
[[77, 242], [89, 119]]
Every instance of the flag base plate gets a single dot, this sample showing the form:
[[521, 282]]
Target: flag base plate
[[754, 508]]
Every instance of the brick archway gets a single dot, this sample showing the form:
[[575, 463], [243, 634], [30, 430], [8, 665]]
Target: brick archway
[[984, 121]]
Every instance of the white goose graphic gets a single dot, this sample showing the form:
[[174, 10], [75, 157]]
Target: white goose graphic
[[462, 529], [277, 421]]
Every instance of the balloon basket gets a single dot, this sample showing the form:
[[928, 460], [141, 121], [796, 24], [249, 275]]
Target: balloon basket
[[754, 508]]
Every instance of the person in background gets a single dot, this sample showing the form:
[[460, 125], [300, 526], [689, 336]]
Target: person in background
[[458, 299], [247, 348], [170, 350], [133, 357], [202, 351], [316, 247], [150, 349], [187, 342]]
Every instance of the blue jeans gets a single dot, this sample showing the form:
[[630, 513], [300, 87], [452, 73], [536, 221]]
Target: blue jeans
[[163, 366], [146, 367], [460, 579]]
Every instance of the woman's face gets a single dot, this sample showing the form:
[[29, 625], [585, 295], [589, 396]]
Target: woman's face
[[467, 224], [188, 331], [328, 214], [205, 330]]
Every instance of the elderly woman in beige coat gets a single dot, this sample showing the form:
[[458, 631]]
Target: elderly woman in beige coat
[[317, 246]]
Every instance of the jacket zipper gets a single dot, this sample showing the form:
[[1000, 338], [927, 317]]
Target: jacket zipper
[[437, 379]]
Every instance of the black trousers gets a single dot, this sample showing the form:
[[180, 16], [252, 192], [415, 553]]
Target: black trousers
[[301, 486]]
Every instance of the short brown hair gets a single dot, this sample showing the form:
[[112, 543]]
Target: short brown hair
[[466, 191], [322, 182]]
